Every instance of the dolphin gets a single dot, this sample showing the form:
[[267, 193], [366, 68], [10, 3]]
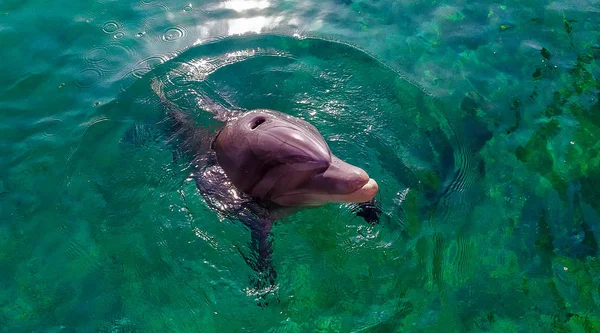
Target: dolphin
[[262, 165]]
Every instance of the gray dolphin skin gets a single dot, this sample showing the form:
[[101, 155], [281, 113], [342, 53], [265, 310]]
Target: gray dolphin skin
[[284, 160]]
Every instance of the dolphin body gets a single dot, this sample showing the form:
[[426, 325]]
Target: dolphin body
[[262, 165]]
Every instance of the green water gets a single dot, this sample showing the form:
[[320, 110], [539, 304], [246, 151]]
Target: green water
[[488, 166]]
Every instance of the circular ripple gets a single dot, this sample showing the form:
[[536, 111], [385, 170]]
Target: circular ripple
[[52, 126], [88, 77], [146, 65], [96, 55], [354, 92], [110, 57], [188, 8], [172, 34], [110, 27], [119, 35]]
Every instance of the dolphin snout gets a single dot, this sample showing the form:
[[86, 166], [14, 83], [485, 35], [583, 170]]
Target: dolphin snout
[[344, 178], [357, 178], [352, 183]]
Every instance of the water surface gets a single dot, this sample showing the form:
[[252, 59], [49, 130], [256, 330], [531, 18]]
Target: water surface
[[478, 120]]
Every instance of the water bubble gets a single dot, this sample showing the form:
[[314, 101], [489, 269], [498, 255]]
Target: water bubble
[[87, 77], [172, 34], [61, 85], [188, 8], [119, 35], [110, 27], [97, 103], [140, 34]]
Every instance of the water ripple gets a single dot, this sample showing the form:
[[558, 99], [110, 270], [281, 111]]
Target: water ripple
[[173, 34], [110, 27], [96, 55], [146, 65], [52, 126], [356, 100], [88, 77], [110, 57]]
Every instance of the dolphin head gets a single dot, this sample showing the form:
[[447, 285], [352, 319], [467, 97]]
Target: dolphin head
[[282, 159]]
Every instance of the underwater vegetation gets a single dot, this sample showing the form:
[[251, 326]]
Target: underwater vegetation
[[554, 279]]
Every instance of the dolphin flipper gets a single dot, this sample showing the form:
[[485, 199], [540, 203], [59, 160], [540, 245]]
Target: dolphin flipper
[[256, 217], [259, 259]]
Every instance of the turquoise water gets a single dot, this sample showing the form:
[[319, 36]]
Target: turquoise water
[[478, 120]]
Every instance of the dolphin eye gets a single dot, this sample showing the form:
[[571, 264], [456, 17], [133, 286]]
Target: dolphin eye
[[257, 122]]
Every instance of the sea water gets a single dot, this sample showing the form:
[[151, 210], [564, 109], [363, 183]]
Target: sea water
[[479, 120]]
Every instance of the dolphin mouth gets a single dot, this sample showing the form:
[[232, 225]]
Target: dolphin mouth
[[311, 199], [365, 193]]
